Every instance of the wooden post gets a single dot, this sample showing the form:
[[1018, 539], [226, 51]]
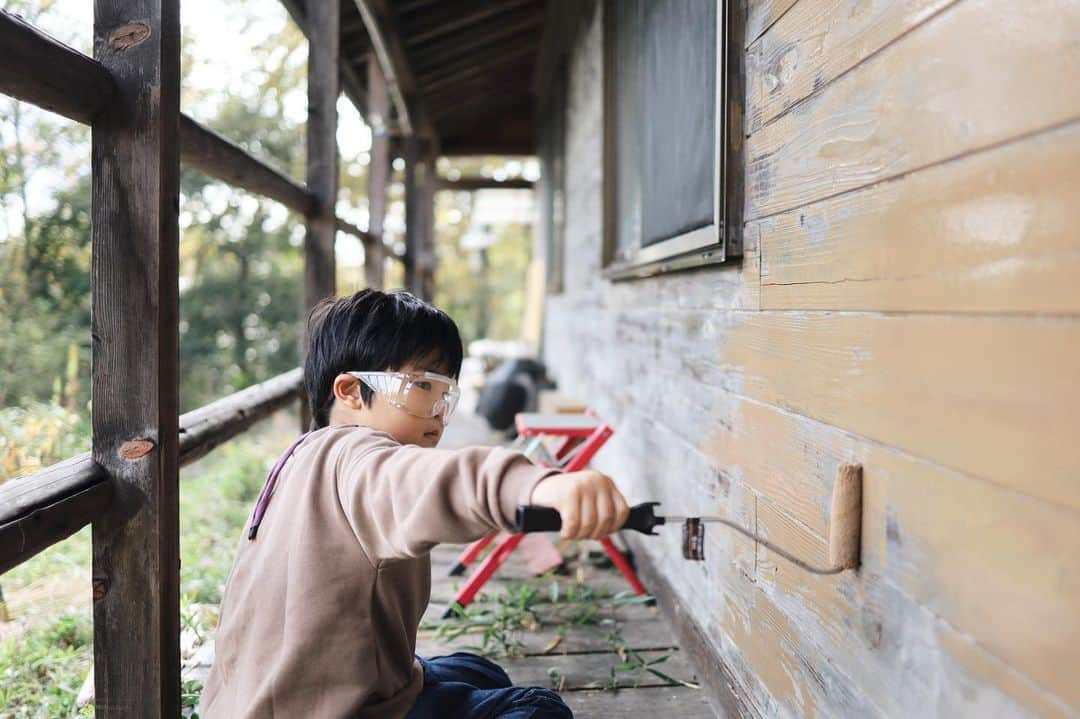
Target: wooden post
[[413, 175], [135, 167], [419, 218], [378, 173], [322, 162], [427, 225]]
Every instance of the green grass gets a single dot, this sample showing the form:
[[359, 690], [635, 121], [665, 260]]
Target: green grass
[[42, 668]]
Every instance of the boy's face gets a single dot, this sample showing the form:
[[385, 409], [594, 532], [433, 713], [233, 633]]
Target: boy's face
[[406, 428]]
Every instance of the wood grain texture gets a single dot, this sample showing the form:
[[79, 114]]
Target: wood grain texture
[[818, 40], [39, 70], [761, 14], [990, 232], [135, 311], [978, 74], [322, 20], [46, 521], [992, 397]]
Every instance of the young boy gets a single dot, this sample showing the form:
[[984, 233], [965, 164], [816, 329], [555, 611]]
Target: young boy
[[332, 576]]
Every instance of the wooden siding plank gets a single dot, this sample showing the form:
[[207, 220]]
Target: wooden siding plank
[[998, 568], [135, 311], [938, 545], [977, 75], [993, 564], [42, 71], [990, 396], [819, 40], [761, 14], [990, 232]]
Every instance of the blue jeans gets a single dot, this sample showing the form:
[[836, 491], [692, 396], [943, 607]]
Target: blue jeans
[[466, 686]]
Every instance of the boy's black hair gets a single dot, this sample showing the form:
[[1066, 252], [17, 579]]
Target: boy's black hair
[[373, 331]]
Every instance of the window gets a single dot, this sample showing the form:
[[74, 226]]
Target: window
[[672, 168]]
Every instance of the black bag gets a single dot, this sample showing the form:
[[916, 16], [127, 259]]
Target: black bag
[[511, 387]]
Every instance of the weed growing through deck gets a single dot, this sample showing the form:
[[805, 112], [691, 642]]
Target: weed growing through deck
[[524, 606]]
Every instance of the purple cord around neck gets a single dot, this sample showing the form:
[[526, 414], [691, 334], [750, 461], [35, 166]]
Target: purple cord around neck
[[268, 488]]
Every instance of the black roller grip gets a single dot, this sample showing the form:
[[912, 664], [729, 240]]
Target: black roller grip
[[532, 518]]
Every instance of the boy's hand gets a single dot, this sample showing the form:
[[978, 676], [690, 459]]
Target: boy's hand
[[590, 504]]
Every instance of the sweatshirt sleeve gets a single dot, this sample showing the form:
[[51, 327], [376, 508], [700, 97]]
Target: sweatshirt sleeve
[[402, 500]]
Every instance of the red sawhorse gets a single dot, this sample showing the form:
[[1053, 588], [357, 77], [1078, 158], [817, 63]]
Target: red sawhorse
[[580, 437]]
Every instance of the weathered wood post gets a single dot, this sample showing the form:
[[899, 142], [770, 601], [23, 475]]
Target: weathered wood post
[[427, 224], [135, 304], [419, 217], [378, 172], [322, 162]]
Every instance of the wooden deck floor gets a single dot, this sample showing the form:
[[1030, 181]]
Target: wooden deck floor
[[584, 664]]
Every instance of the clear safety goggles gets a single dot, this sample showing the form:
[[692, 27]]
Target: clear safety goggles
[[421, 394]]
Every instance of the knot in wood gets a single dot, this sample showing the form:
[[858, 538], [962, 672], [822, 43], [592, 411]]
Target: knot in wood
[[136, 448], [129, 35], [100, 586]]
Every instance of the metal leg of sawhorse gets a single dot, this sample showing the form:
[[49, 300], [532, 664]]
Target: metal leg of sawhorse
[[582, 447]]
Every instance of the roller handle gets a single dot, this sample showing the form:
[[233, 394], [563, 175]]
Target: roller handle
[[533, 518]]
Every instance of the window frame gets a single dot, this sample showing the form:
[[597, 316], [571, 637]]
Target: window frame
[[721, 240]]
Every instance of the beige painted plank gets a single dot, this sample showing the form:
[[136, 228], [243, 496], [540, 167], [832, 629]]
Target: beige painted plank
[[994, 397], [1000, 569], [760, 14], [818, 40], [981, 73], [991, 232]]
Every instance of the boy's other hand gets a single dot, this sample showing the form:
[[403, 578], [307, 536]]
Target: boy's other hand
[[590, 504]]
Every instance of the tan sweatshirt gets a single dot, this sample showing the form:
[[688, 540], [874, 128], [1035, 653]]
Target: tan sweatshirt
[[320, 612]]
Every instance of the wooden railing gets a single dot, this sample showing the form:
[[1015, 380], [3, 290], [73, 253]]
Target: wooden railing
[[127, 485], [40, 509]]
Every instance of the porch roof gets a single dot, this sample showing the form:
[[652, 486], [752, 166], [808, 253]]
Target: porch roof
[[460, 74]]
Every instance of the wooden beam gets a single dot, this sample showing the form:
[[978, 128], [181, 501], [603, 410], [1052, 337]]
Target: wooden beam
[[350, 229], [386, 45], [378, 175], [457, 17], [465, 146], [135, 163], [44, 72], [478, 43], [48, 506], [470, 184], [455, 75], [350, 78], [213, 425], [211, 153]]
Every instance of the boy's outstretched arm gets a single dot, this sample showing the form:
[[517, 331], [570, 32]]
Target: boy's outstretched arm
[[403, 500]]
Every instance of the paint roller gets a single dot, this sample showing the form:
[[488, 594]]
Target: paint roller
[[845, 525]]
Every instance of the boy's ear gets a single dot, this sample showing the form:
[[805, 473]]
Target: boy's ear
[[347, 391]]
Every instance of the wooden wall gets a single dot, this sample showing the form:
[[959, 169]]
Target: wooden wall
[[910, 300]]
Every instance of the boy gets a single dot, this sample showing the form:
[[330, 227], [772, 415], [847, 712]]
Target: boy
[[320, 612]]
